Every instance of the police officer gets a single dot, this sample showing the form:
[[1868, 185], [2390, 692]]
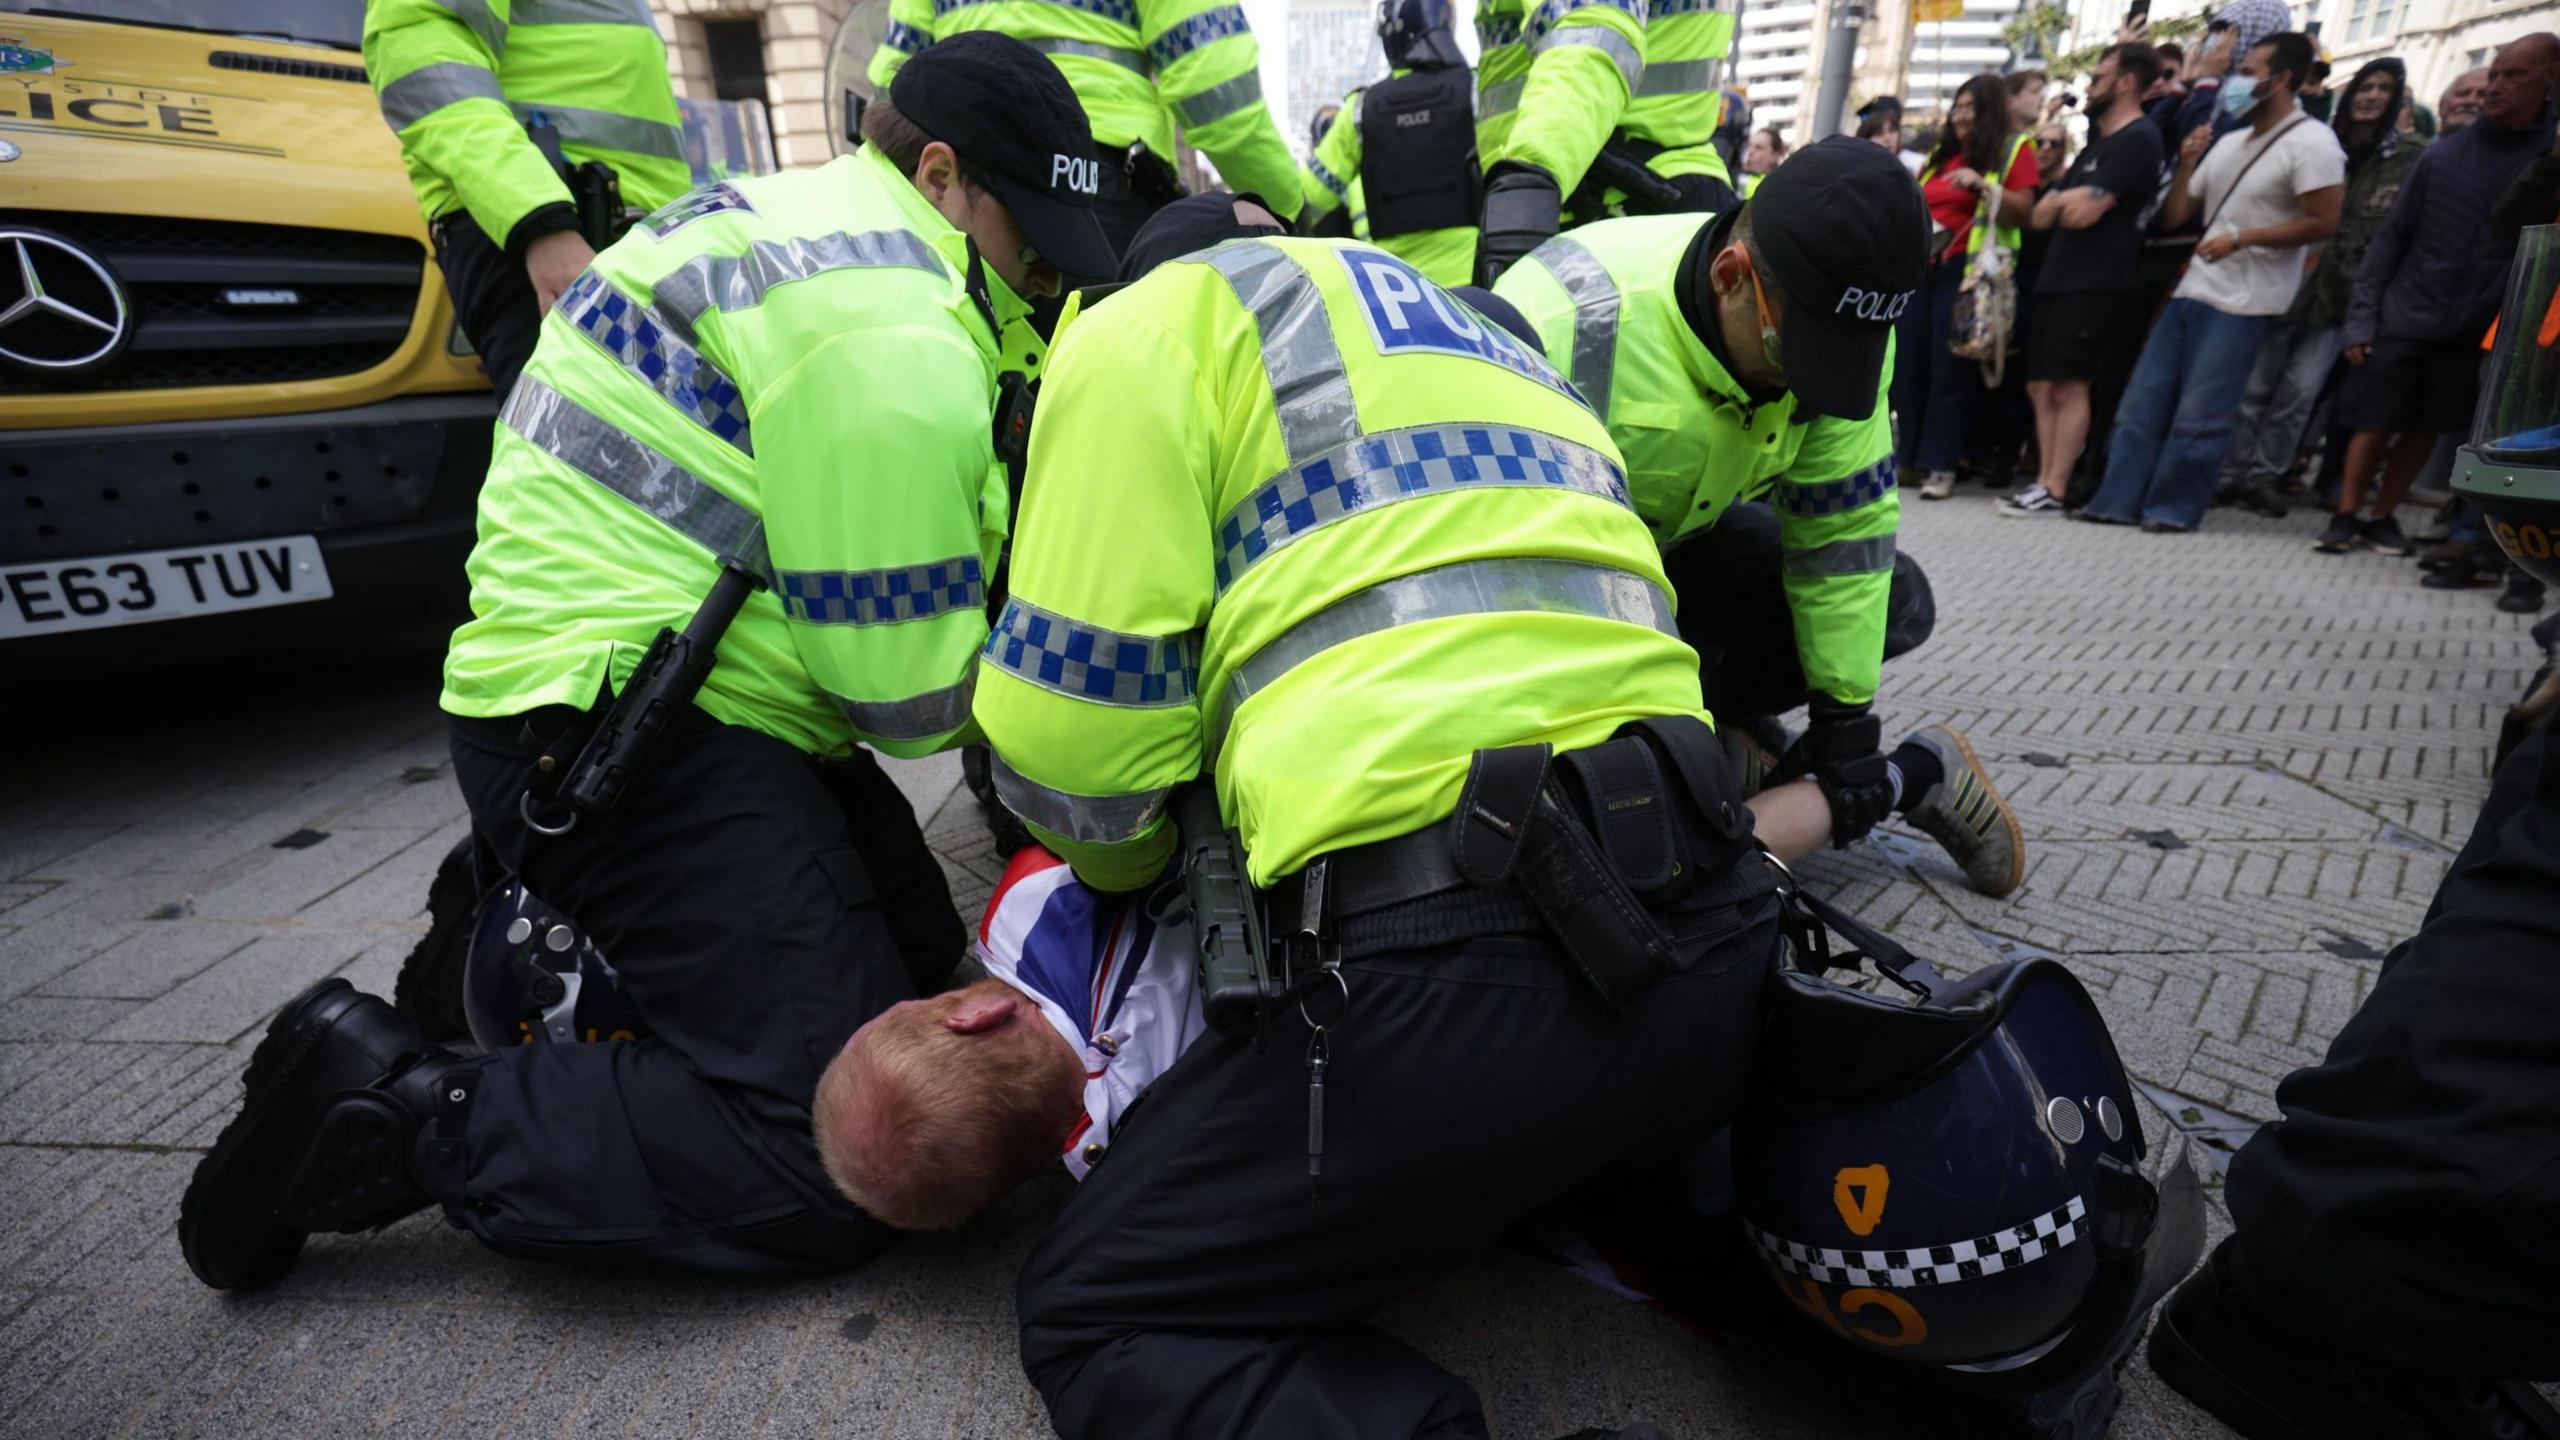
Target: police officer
[[460, 84], [2391, 1271], [1591, 108], [1743, 356], [1410, 141], [1137, 66], [1299, 521], [792, 376]]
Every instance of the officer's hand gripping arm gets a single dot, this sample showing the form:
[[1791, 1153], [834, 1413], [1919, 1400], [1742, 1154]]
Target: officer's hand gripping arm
[[436, 74], [1522, 211]]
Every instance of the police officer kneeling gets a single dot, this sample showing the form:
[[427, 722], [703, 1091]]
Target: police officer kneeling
[[787, 379], [1300, 521]]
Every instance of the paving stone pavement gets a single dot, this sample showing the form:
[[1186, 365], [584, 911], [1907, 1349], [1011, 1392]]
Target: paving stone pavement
[[2242, 768]]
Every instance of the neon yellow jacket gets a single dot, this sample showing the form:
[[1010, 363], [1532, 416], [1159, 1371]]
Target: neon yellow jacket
[[787, 369], [1296, 513], [1136, 65], [1553, 80], [458, 78], [1695, 443], [1331, 177], [1678, 103], [1980, 234]]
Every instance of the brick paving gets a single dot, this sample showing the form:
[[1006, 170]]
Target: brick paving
[[2242, 767]]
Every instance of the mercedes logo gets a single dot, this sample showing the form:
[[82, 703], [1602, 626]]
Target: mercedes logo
[[61, 313]]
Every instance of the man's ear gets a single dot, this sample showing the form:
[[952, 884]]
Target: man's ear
[[1727, 270], [981, 1012], [937, 170]]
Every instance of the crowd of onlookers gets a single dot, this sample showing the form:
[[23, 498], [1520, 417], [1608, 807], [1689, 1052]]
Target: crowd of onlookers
[[2241, 282]]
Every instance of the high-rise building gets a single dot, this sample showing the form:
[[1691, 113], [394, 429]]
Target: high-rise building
[[1779, 58], [1333, 50]]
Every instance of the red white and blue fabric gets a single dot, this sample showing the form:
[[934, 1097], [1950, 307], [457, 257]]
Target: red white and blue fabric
[[1121, 988]]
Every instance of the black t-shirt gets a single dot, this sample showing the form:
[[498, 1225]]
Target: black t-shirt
[[2102, 257]]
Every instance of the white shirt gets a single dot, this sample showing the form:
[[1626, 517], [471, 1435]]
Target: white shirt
[[2302, 155], [1121, 988]]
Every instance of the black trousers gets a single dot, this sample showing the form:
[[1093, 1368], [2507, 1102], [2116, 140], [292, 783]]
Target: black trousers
[[2405, 1205], [492, 298], [1202, 1283], [1731, 580], [759, 905]]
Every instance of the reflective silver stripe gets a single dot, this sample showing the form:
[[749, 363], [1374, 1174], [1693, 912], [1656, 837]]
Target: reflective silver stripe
[[580, 12], [1677, 77], [1308, 386], [1088, 662], [429, 88], [1843, 557], [1630, 62], [1221, 100], [1500, 98], [739, 282], [1093, 819], [1595, 316], [604, 130], [1476, 587], [476, 14], [1110, 54], [917, 717], [1395, 465], [586, 443]]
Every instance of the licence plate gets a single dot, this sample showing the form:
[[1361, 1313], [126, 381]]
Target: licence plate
[[136, 589]]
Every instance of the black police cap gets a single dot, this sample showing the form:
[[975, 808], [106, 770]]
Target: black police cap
[[1842, 228], [1004, 108]]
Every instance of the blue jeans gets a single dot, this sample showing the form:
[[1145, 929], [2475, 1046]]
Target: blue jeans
[[2284, 388], [2176, 418], [1933, 392]]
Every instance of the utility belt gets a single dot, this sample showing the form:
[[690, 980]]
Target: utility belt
[[595, 191], [1633, 855]]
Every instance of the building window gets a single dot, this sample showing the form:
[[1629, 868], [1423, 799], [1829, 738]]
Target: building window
[[736, 51]]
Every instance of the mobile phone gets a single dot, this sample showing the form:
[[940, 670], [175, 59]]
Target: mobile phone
[[2138, 12]]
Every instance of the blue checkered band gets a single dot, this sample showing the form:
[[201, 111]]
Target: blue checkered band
[[1206, 28], [1395, 465], [1502, 30], [1551, 14], [640, 339], [902, 36], [1326, 178], [882, 597], [693, 205], [1831, 497], [1088, 662], [1123, 12], [2009, 1249]]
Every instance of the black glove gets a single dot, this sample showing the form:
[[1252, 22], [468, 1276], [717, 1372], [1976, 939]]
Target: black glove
[[1522, 211], [1842, 748]]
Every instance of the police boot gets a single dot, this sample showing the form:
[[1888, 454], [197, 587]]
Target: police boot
[[2215, 1347], [1966, 815], [339, 1092], [429, 988]]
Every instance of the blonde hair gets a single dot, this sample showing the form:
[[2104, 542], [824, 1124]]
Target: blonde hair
[[923, 1127]]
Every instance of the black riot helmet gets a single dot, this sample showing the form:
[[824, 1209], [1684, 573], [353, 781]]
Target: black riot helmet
[[1417, 34], [2510, 472]]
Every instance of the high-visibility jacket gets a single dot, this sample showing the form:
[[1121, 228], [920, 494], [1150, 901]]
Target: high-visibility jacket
[[1331, 178], [1555, 80], [1695, 441], [787, 370], [1979, 234], [1678, 104], [1136, 65], [1297, 514], [458, 79]]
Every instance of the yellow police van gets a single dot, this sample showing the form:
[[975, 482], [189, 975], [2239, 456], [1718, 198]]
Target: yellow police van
[[232, 397]]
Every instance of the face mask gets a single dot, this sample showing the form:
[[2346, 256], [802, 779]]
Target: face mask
[[2239, 96]]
